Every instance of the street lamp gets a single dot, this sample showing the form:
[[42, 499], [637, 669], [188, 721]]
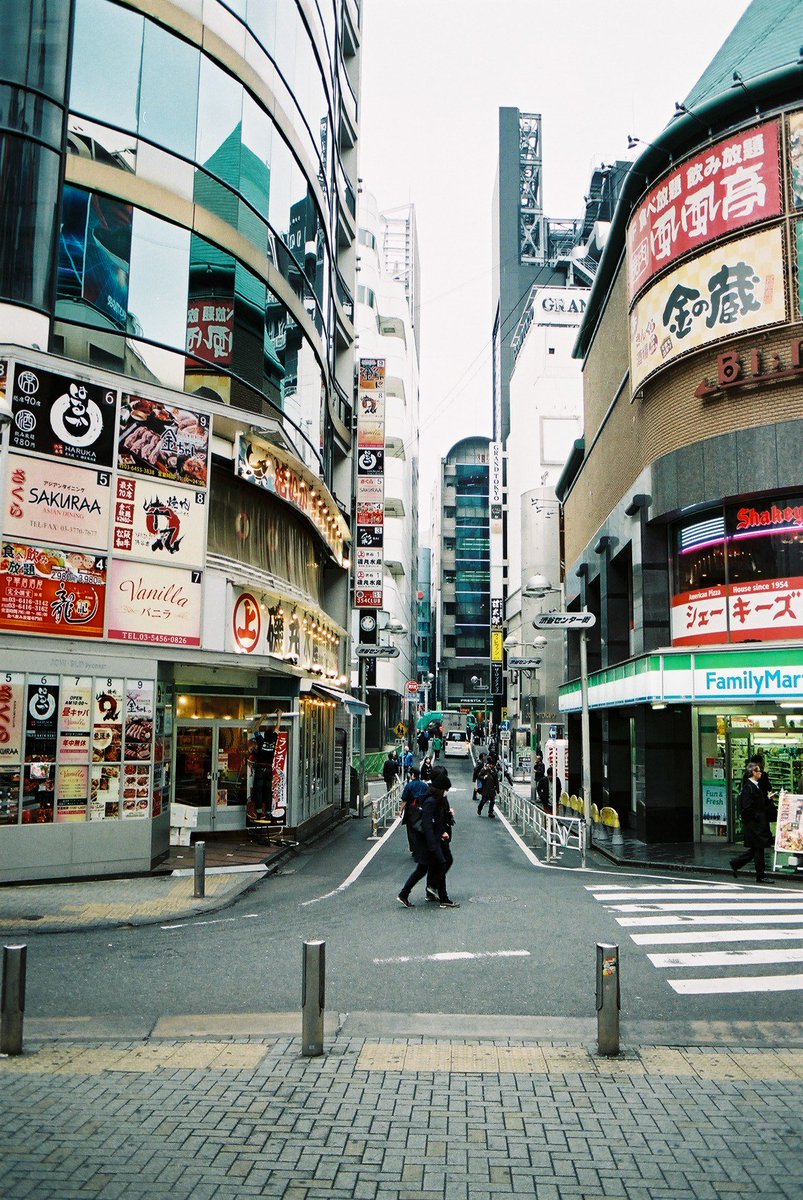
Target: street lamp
[[540, 586], [511, 642]]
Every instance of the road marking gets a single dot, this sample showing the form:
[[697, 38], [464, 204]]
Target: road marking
[[720, 919], [360, 867], [452, 956], [726, 958], [214, 921], [774, 905], [717, 935], [744, 983]]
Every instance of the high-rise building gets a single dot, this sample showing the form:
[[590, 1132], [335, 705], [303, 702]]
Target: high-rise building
[[683, 504], [462, 574], [177, 261], [386, 550]]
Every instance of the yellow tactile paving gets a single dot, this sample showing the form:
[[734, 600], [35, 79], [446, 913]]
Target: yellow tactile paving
[[563, 1060], [94, 1060]]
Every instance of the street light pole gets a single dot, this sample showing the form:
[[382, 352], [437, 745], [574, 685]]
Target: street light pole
[[361, 798], [585, 734]]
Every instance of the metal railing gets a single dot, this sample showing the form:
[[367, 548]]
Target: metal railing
[[557, 833], [385, 810]]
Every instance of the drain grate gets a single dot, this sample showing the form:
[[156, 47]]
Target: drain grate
[[495, 899]]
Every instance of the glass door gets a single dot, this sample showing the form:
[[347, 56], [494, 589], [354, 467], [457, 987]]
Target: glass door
[[211, 772]]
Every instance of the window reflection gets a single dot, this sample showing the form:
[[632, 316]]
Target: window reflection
[[168, 90], [160, 254], [106, 84]]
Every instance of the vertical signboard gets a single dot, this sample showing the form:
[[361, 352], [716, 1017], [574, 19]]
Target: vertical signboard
[[495, 500], [369, 551]]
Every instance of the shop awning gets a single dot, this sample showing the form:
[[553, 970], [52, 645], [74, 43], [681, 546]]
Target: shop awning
[[352, 703]]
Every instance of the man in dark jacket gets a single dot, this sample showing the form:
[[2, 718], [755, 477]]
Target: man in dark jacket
[[431, 844], [757, 811], [487, 788], [390, 769]]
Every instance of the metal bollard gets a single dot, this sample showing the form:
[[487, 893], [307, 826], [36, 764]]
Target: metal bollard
[[12, 1008], [374, 821], [608, 1000], [313, 998], [200, 869]]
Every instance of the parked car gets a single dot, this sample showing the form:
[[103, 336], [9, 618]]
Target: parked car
[[456, 744]]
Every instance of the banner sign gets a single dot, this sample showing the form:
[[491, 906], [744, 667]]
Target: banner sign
[[277, 471], [49, 590], [62, 417], [268, 623], [369, 552], [154, 604], [789, 829], [762, 610], [12, 716], [164, 442], [730, 185], [159, 522], [729, 290], [52, 501], [278, 808]]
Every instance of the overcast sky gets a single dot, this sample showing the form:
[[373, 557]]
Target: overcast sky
[[434, 75]]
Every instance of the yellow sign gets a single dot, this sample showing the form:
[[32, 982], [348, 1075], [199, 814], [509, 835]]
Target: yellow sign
[[728, 290], [497, 645], [504, 714], [400, 729]]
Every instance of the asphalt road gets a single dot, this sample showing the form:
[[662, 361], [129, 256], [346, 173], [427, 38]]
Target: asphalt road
[[522, 942]]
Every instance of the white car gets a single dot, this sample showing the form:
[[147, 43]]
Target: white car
[[456, 744]]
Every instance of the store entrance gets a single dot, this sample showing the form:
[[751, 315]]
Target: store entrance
[[211, 772]]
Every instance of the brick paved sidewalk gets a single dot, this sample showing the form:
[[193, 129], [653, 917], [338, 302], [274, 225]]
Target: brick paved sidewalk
[[398, 1119]]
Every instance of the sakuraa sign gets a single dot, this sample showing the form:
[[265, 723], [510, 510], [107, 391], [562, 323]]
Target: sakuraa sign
[[736, 370]]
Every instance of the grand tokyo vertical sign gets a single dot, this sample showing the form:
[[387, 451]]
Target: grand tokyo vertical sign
[[370, 539]]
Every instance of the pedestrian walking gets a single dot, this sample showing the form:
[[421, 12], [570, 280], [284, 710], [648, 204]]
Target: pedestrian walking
[[411, 800], [429, 842], [408, 759], [437, 744], [475, 774], [442, 782], [390, 770], [757, 810], [488, 789], [423, 742], [426, 768]]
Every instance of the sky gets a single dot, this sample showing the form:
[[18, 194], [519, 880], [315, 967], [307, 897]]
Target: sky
[[434, 75]]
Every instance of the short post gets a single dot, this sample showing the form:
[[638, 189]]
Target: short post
[[608, 1000], [12, 1008], [312, 998], [374, 835], [200, 869]]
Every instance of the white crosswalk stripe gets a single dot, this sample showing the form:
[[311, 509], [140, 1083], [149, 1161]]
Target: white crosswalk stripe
[[723, 914]]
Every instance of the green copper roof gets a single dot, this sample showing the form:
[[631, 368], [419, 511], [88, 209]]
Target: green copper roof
[[768, 36]]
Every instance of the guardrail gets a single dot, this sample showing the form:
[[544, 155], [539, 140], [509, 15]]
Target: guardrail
[[385, 810], [557, 833]]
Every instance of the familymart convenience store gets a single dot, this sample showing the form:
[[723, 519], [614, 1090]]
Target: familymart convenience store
[[739, 702]]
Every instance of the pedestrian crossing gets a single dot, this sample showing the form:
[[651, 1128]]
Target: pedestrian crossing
[[723, 922]]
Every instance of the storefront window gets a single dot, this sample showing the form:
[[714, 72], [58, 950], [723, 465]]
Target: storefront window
[[316, 756]]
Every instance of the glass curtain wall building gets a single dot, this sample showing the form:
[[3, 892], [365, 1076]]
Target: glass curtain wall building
[[465, 576], [177, 254]]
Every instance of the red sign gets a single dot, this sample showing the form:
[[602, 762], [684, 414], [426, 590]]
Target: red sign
[[278, 810], [411, 686], [732, 184], [246, 623], [368, 598], [759, 611], [52, 591]]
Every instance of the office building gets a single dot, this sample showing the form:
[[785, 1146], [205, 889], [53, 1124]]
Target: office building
[[683, 529], [176, 332]]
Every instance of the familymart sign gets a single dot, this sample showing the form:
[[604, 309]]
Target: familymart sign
[[730, 676]]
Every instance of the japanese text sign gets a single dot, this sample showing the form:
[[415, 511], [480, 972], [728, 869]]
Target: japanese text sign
[[729, 290], [732, 184]]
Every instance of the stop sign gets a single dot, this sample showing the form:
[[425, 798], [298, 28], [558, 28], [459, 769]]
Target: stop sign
[[411, 686]]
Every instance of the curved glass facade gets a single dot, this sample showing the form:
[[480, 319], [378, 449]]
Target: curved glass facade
[[233, 295]]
